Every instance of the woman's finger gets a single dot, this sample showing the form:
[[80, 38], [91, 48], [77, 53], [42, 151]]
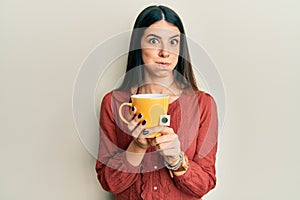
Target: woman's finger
[[164, 130], [154, 129], [165, 139], [134, 122], [132, 112], [167, 130], [138, 131]]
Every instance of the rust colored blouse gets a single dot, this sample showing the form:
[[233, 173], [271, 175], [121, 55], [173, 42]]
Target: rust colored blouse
[[193, 118]]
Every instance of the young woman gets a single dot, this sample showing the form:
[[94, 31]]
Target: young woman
[[180, 164]]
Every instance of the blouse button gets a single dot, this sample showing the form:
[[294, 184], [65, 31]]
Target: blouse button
[[155, 167], [155, 188]]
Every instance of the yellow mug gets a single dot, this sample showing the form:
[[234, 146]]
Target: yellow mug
[[153, 107]]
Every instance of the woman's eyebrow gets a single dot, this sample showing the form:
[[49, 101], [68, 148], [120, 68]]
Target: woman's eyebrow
[[177, 35], [153, 35]]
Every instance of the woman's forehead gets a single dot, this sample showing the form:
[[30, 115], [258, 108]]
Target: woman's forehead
[[162, 28]]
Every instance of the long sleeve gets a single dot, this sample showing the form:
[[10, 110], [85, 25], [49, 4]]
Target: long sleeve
[[200, 177], [114, 172]]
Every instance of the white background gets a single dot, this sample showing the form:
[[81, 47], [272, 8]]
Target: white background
[[254, 44]]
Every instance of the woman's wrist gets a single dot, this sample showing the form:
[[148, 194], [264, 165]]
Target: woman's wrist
[[175, 165], [180, 167], [140, 145], [136, 147], [135, 153], [176, 161]]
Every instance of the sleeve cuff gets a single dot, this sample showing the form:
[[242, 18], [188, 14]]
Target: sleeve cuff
[[121, 163]]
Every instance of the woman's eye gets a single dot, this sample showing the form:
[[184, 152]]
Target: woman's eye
[[153, 41], [174, 41]]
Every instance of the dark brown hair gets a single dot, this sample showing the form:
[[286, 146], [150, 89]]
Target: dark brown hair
[[183, 71]]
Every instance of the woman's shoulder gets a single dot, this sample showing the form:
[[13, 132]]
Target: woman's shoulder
[[199, 94], [204, 98], [107, 97], [206, 101], [203, 94]]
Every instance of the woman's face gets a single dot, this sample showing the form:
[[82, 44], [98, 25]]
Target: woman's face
[[160, 47]]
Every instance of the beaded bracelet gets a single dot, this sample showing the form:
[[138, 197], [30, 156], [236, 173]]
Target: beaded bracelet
[[177, 165]]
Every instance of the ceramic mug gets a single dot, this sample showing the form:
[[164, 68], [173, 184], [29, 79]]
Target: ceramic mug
[[153, 107]]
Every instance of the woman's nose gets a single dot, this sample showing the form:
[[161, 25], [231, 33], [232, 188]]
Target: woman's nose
[[164, 53]]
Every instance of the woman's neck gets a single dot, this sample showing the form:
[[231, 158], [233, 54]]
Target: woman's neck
[[158, 86], [154, 88], [161, 87]]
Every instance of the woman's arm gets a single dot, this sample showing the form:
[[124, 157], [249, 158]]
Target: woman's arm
[[200, 177], [116, 169]]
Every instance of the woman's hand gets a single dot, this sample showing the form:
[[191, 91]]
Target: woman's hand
[[136, 126], [168, 144], [137, 148]]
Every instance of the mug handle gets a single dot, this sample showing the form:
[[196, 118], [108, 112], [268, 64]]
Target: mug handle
[[120, 111]]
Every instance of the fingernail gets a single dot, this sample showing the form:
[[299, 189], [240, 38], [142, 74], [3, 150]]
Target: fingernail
[[144, 122], [132, 108], [145, 132], [140, 116]]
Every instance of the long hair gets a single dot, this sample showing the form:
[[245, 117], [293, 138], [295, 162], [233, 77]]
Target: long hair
[[134, 72]]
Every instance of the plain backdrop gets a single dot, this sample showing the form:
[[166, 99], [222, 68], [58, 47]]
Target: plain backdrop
[[254, 44]]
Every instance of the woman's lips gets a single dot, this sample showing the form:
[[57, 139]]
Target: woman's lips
[[163, 63]]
